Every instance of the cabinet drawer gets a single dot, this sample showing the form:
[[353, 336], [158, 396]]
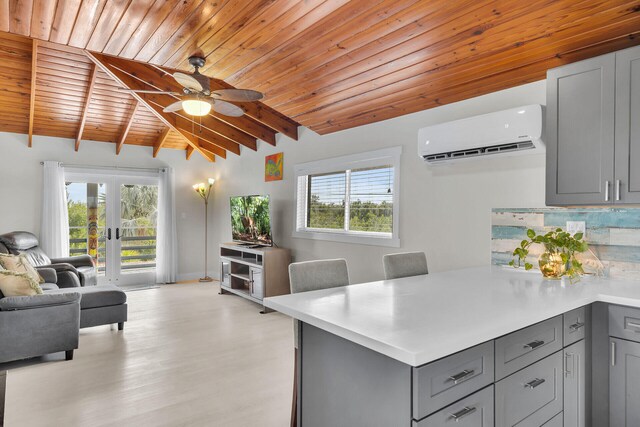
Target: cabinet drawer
[[528, 345], [575, 323], [555, 421], [473, 411], [440, 383], [624, 322], [531, 396]]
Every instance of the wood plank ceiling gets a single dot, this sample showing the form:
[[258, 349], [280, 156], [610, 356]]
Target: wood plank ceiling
[[327, 64]]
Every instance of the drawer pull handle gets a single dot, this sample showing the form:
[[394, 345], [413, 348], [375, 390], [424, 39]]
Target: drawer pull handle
[[462, 376], [577, 326], [535, 383], [457, 416], [533, 345], [634, 325]]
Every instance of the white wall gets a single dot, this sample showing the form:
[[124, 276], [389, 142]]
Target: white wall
[[444, 211], [21, 185]]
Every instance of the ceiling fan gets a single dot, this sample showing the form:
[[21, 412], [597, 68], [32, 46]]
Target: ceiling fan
[[197, 99]]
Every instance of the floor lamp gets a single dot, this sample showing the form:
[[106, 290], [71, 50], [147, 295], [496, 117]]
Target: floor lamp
[[204, 192]]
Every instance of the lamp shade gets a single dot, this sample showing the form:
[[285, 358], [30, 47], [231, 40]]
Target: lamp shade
[[196, 107]]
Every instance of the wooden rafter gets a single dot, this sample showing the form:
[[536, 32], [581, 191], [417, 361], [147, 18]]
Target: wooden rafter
[[189, 152], [85, 111], [32, 95], [127, 127], [169, 120], [160, 142]]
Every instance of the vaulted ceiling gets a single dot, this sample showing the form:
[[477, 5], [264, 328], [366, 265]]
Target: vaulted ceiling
[[325, 64]]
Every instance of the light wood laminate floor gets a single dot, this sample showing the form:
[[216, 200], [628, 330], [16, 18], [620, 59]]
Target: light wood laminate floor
[[187, 357]]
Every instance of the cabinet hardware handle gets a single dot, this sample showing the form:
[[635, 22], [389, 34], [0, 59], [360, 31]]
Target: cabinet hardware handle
[[533, 345], [462, 376], [613, 353], [606, 191], [117, 234], [467, 410], [634, 325], [534, 383], [577, 325], [108, 234], [617, 190], [568, 372]]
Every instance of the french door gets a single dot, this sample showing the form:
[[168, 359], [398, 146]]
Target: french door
[[113, 218]]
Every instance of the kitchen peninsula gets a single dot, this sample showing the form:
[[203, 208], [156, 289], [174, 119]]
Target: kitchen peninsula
[[481, 345]]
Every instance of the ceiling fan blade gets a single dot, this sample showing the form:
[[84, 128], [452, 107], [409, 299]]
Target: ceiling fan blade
[[238, 95], [148, 91], [173, 107], [188, 81], [227, 108]]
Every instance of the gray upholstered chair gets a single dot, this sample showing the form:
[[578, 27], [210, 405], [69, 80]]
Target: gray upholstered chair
[[312, 276], [397, 266]]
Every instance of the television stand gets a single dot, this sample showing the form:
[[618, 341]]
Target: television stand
[[254, 272]]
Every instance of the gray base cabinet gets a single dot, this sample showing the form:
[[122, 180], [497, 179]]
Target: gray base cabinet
[[624, 384], [575, 385]]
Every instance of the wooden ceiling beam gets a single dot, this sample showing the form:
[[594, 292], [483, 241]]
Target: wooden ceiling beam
[[169, 120], [83, 120], [160, 142], [189, 152], [127, 127], [212, 148], [32, 94]]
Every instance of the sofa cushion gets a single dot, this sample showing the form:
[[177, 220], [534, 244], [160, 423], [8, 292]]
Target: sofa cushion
[[36, 256], [88, 275], [19, 240], [37, 301], [97, 296], [20, 264], [14, 284]]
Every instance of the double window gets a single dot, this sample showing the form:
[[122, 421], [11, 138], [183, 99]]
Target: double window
[[350, 199]]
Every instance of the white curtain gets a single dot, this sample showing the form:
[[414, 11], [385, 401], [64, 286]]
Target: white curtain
[[54, 226], [166, 244]]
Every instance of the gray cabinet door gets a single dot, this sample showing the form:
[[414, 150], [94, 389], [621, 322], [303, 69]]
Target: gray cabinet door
[[627, 166], [575, 378], [257, 288], [624, 384], [472, 411], [580, 132]]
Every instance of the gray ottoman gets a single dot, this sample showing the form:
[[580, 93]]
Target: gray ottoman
[[100, 305]]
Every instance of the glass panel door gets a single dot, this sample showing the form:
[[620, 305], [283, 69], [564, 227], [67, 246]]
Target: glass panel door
[[136, 230], [87, 207]]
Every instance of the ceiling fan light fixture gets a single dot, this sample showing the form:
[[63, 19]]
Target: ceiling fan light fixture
[[196, 107]]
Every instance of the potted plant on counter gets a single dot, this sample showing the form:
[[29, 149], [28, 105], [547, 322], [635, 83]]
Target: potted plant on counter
[[558, 259]]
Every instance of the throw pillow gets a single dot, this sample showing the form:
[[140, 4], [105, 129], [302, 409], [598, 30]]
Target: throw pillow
[[14, 284], [20, 264]]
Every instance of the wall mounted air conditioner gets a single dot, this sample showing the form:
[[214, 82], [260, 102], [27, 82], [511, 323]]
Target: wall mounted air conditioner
[[510, 132]]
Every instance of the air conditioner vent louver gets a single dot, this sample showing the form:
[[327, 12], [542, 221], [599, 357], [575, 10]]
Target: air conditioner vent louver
[[518, 146]]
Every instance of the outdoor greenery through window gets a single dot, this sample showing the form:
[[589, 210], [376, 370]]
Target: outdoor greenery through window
[[352, 200]]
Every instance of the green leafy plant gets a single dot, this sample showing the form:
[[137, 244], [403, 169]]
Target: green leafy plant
[[557, 242]]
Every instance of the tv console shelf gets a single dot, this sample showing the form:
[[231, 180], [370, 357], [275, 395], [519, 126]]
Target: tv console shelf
[[254, 272]]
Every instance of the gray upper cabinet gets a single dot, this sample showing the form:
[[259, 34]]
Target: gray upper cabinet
[[593, 141], [580, 132], [627, 148]]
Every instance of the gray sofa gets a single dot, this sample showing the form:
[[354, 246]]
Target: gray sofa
[[48, 323], [37, 325], [72, 271]]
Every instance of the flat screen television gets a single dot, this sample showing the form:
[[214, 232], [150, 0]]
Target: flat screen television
[[250, 220]]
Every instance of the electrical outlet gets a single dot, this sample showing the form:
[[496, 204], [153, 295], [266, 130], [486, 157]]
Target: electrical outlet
[[574, 227]]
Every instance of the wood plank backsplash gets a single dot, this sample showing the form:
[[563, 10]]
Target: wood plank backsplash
[[613, 234]]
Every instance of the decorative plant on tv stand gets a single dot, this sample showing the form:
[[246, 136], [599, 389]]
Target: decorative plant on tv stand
[[559, 257]]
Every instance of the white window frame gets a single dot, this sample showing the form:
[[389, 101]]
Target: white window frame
[[384, 157]]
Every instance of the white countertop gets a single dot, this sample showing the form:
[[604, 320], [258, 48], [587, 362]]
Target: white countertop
[[420, 319]]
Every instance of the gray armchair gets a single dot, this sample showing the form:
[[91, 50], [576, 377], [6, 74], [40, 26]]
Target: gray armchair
[[37, 325], [72, 271]]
